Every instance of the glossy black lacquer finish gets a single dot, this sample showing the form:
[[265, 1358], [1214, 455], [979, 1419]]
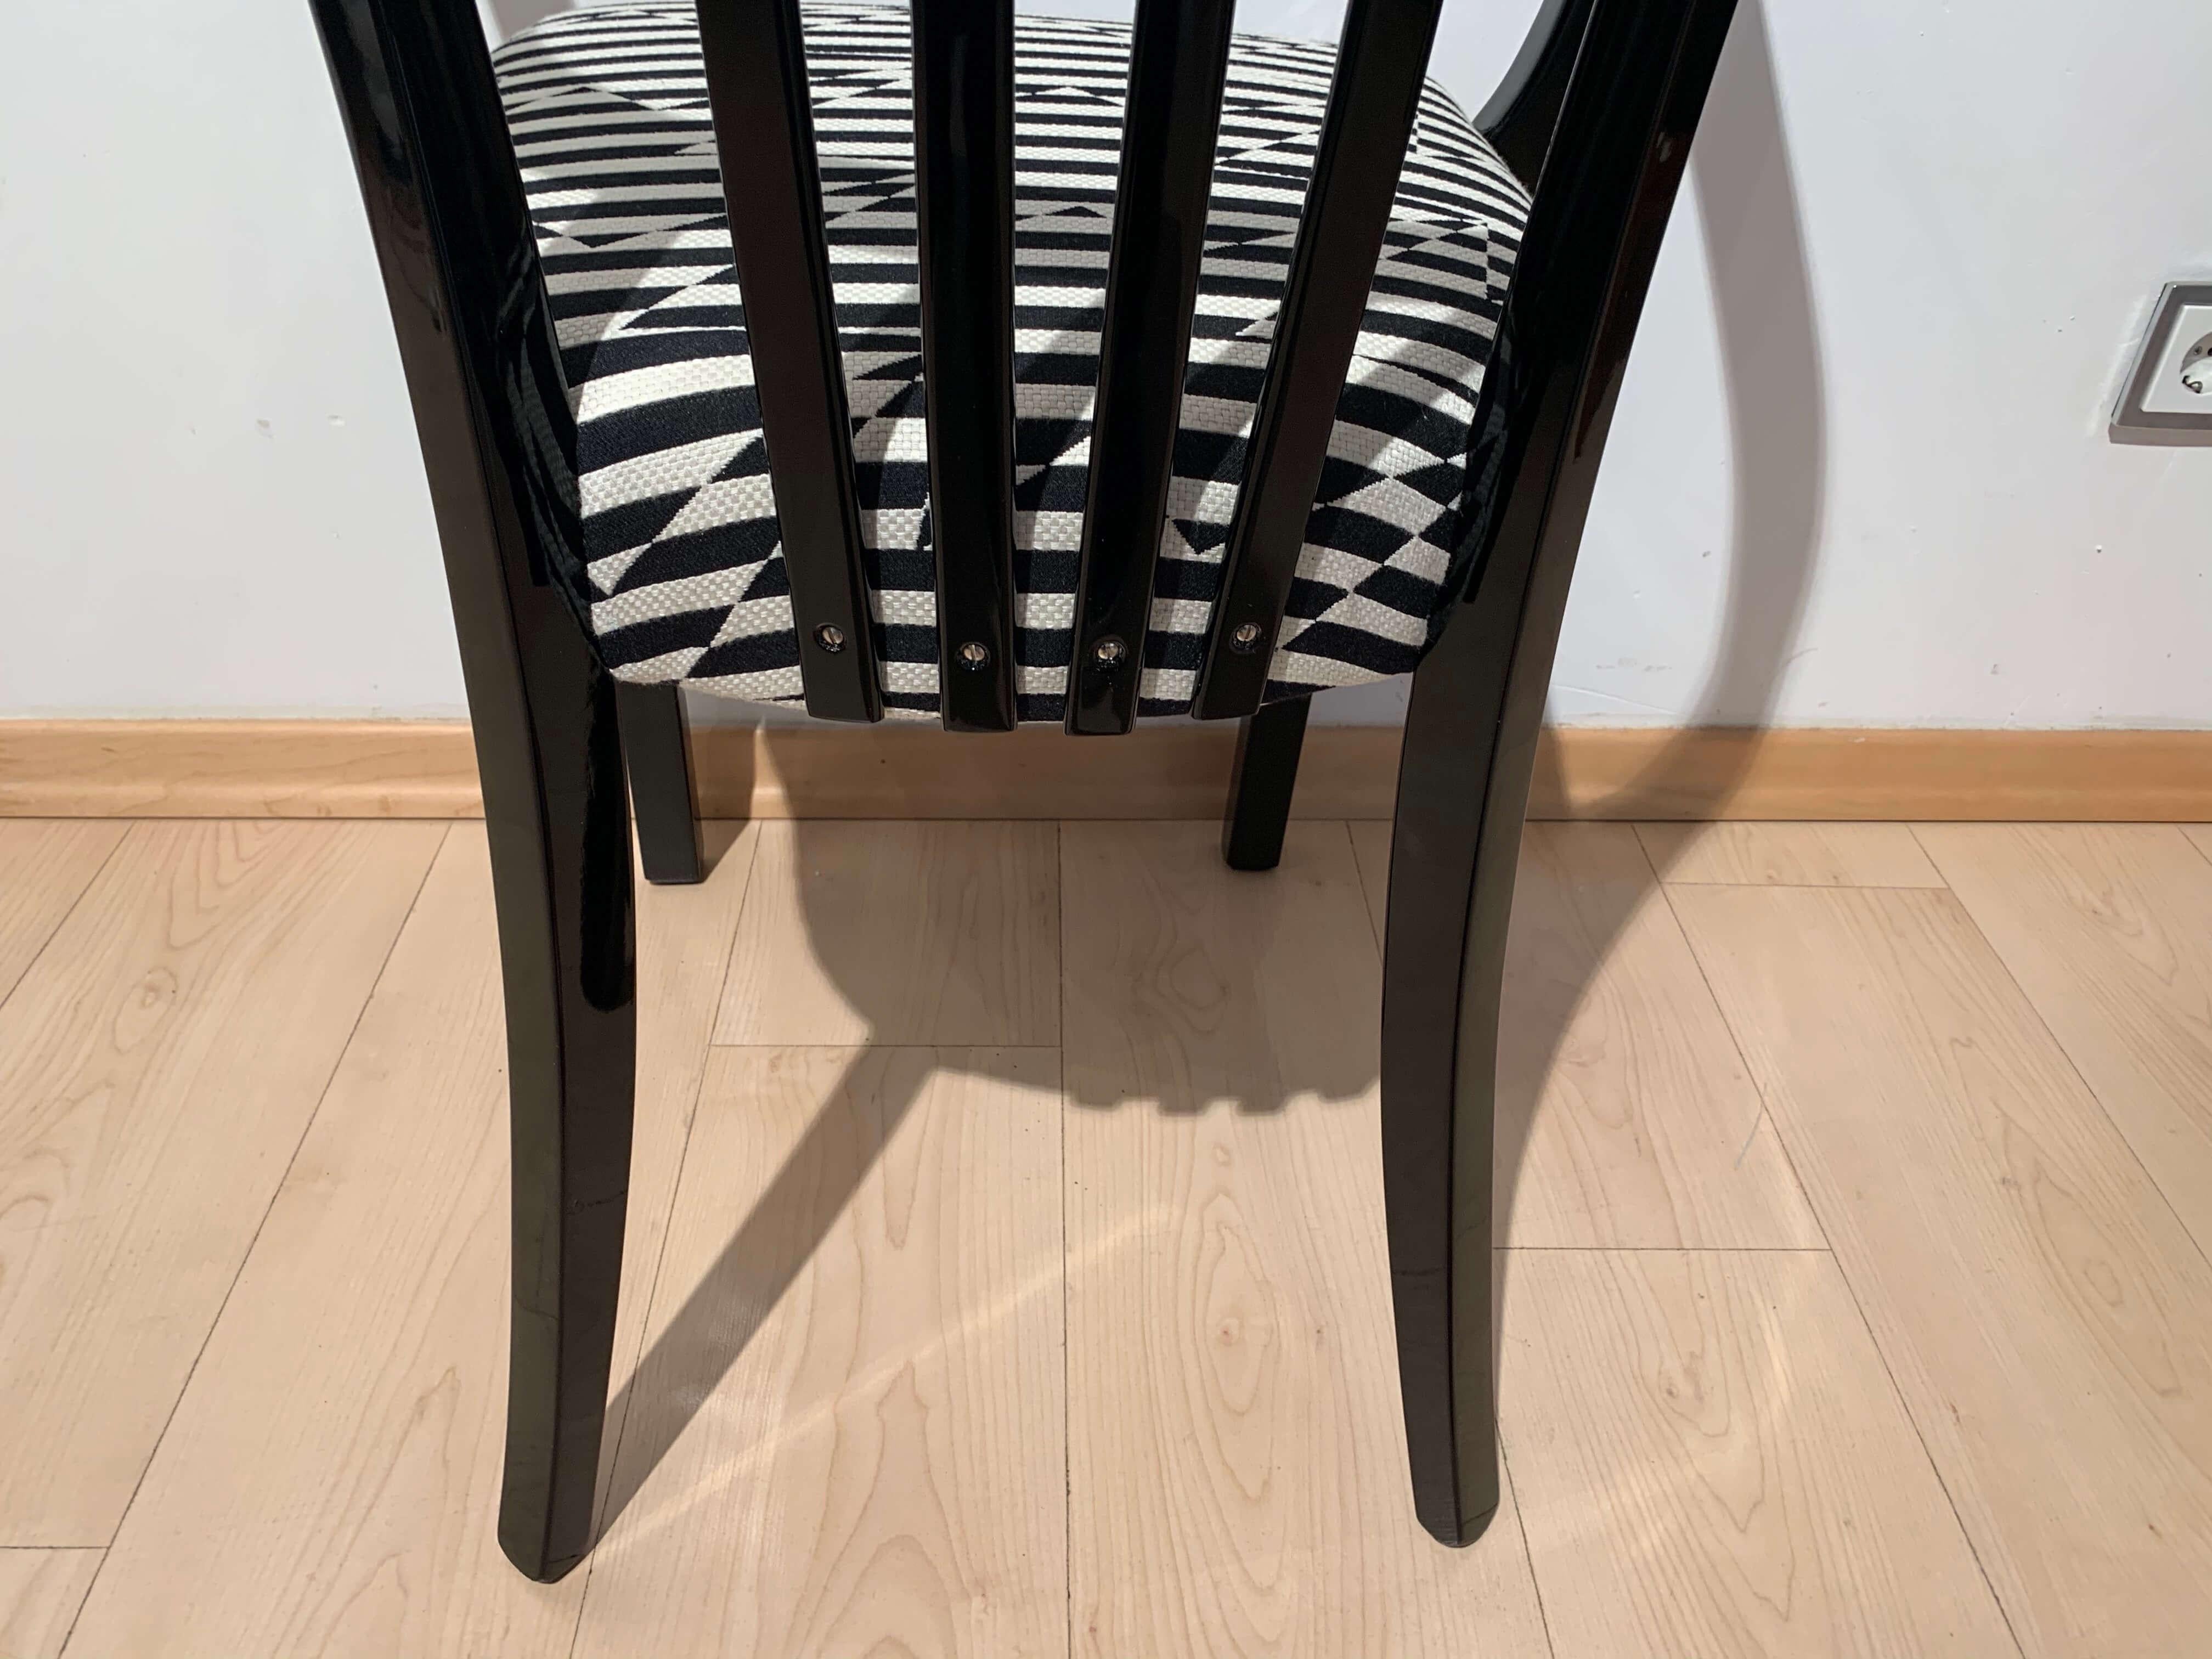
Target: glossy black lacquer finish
[[1381, 58], [1525, 112], [1178, 62], [963, 143], [755, 65], [460, 271], [661, 797], [1609, 185], [1261, 781]]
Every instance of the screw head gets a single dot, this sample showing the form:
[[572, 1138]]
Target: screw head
[[1110, 651], [830, 638], [974, 655], [1246, 638]]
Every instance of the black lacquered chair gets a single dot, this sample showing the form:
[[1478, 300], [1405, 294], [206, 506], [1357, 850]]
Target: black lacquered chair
[[869, 361]]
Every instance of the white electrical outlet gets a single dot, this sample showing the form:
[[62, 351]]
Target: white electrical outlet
[[2167, 396]]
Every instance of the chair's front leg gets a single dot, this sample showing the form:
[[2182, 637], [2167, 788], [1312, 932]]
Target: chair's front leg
[[560, 869], [1261, 782], [660, 789], [1470, 742]]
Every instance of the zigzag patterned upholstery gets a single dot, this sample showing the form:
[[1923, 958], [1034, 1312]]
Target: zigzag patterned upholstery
[[608, 109]]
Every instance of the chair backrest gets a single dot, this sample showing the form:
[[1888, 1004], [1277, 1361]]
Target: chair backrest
[[1621, 82]]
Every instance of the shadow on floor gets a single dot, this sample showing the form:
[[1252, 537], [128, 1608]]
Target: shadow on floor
[[1755, 242]]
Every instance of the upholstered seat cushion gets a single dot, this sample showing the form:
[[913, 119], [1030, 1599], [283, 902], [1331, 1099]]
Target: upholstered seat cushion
[[607, 105]]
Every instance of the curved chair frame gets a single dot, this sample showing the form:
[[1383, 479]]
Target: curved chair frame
[[1599, 110]]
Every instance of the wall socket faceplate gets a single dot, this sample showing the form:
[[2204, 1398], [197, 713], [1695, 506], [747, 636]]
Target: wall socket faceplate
[[2167, 396]]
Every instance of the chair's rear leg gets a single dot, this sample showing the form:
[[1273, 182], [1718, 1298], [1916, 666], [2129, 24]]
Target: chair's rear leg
[[1260, 783], [1616, 154], [660, 789], [1471, 729], [561, 870]]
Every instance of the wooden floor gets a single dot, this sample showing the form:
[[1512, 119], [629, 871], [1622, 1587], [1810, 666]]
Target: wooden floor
[[1006, 1271]]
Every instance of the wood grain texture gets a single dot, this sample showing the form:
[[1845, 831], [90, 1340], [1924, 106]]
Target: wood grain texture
[[427, 769], [1699, 773], [239, 769], [44, 867], [1625, 1115], [850, 1428], [2048, 1320], [1711, 1463], [2108, 929], [684, 938], [1237, 1472], [158, 1065], [40, 1591], [330, 1483], [898, 933], [2200, 834], [1371, 851], [1788, 855]]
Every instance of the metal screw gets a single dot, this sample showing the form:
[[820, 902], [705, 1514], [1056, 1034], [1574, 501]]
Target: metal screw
[[1245, 637], [973, 654], [1110, 651], [830, 637]]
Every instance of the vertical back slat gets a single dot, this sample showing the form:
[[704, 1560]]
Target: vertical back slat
[[1381, 60], [1178, 62], [963, 143], [755, 65]]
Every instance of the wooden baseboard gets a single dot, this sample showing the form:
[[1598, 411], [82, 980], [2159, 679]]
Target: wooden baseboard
[[396, 769]]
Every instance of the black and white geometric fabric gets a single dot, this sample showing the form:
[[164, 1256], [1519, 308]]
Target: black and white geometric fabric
[[607, 105]]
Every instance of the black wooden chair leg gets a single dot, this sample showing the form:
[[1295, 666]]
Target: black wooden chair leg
[[1470, 742], [1260, 784], [477, 337], [561, 870], [660, 789]]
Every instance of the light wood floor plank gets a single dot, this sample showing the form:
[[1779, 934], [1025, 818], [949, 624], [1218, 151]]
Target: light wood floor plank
[[850, 1429], [1370, 847], [1237, 1468], [40, 1591], [1625, 1115], [1646, 1129], [2108, 929], [330, 1484], [913, 933], [158, 1064], [684, 938], [2047, 1318], [1712, 1463], [43, 866], [2202, 834], [1788, 855]]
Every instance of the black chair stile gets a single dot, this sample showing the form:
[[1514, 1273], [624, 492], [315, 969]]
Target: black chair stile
[[1598, 112], [1620, 140]]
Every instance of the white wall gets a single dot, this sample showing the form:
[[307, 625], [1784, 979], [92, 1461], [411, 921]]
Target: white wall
[[1859, 473]]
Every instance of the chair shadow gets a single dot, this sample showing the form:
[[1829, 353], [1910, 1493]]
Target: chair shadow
[[1762, 296], [1754, 244], [699, 1344]]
